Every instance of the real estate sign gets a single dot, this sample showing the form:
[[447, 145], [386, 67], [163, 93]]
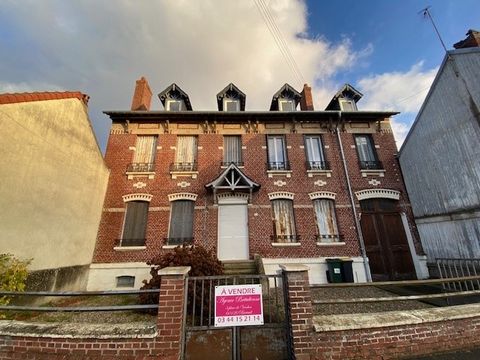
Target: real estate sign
[[238, 305]]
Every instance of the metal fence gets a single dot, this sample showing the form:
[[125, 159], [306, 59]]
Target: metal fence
[[449, 268]]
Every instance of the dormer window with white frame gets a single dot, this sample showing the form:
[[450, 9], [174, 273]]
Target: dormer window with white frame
[[348, 105], [231, 105], [286, 105], [175, 105]]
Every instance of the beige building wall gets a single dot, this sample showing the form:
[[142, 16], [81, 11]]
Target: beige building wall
[[53, 182]]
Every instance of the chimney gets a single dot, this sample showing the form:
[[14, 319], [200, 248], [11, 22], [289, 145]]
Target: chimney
[[306, 102], [142, 96], [472, 40]]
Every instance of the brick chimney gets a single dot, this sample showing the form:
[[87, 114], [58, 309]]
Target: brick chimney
[[142, 95], [472, 40], [306, 102]]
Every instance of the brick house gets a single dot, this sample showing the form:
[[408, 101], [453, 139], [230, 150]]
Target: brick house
[[278, 183]]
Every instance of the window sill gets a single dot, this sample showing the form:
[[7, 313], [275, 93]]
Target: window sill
[[327, 173], [272, 173], [133, 174], [129, 248], [170, 247], [330, 244], [192, 174], [379, 172], [286, 244], [240, 167]]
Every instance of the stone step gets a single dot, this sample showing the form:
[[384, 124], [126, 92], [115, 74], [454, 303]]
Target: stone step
[[239, 267]]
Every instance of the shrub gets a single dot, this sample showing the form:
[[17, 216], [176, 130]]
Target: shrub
[[13, 274], [202, 262]]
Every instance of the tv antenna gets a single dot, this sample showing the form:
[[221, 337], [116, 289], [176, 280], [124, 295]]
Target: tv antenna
[[426, 13]]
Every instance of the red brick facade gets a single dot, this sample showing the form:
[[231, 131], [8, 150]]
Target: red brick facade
[[253, 128]]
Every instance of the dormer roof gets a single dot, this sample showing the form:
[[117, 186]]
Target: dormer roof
[[233, 179], [173, 92], [285, 92], [346, 92], [231, 92]]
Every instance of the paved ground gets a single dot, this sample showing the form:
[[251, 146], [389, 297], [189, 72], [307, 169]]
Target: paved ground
[[459, 355]]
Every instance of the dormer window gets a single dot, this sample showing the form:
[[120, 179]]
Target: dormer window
[[231, 105], [286, 105], [285, 99], [347, 105], [175, 105]]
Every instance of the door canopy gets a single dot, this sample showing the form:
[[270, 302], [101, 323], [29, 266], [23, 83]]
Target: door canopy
[[232, 179]]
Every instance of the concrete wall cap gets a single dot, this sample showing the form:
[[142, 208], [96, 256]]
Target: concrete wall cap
[[174, 270], [294, 267]]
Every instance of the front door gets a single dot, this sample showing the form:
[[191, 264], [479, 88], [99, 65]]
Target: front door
[[233, 229], [385, 240]]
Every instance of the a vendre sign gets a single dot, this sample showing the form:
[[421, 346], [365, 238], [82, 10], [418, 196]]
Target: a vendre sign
[[238, 305]]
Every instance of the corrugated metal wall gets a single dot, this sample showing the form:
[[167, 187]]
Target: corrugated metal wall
[[441, 158]]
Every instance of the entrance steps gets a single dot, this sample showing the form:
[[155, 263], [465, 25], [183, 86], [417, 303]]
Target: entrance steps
[[239, 267]]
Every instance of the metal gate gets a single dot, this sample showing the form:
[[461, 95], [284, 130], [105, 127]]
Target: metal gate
[[202, 340]]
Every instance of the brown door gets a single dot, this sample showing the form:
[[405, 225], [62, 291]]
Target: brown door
[[385, 240]]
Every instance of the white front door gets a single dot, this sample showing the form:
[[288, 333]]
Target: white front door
[[232, 229]]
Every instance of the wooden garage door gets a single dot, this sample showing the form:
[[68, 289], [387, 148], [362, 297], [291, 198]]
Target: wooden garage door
[[385, 240]]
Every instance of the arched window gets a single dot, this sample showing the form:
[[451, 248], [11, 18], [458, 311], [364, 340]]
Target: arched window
[[283, 221], [180, 231], [326, 220]]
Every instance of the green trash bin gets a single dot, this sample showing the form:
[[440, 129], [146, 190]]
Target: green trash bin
[[334, 272]]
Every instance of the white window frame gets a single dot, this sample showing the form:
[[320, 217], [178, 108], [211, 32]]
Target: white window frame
[[286, 101], [229, 101], [170, 101], [348, 101]]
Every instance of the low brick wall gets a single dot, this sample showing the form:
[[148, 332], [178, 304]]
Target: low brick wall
[[396, 335]]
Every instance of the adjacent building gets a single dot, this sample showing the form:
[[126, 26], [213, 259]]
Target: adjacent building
[[52, 188], [440, 158], [291, 185]]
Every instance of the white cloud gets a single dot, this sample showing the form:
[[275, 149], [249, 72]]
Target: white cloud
[[397, 91], [102, 47]]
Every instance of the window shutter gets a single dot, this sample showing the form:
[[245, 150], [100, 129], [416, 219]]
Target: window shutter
[[283, 220], [326, 220], [135, 223], [145, 149], [181, 221], [186, 149], [232, 149]]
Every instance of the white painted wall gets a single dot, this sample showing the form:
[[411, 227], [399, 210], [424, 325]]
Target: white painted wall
[[52, 185], [317, 268], [104, 276]]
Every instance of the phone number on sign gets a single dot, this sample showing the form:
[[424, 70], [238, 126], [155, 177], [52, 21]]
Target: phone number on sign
[[238, 319]]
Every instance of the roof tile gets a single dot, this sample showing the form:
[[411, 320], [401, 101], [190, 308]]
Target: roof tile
[[41, 96]]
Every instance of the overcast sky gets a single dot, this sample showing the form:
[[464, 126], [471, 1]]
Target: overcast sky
[[383, 48]]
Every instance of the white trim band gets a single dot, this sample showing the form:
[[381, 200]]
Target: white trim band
[[137, 196], [322, 195], [182, 196], [281, 195], [377, 193]]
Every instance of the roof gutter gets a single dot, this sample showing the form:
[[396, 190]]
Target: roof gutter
[[352, 201]]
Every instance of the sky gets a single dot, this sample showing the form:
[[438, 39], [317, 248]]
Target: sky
[[386, 49]]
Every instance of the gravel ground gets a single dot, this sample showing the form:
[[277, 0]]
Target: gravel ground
[[355, 308]]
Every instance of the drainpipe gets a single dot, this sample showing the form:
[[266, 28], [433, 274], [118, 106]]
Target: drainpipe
[[352, 201]]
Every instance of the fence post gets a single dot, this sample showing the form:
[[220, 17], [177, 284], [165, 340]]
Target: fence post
[[170, 311], [299, 310]]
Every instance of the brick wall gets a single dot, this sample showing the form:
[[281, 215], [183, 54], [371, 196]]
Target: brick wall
[[118, 156]]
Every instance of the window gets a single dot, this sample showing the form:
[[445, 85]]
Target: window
[[181, 222], [326, 220], [367, 155], [286, 105], [283, 221], [348, 105], [144, 156], [232, 150], [135, 224], [277, 156], [231, 105], [125, 281], [186, 156], [315, 156], [175, 105]]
